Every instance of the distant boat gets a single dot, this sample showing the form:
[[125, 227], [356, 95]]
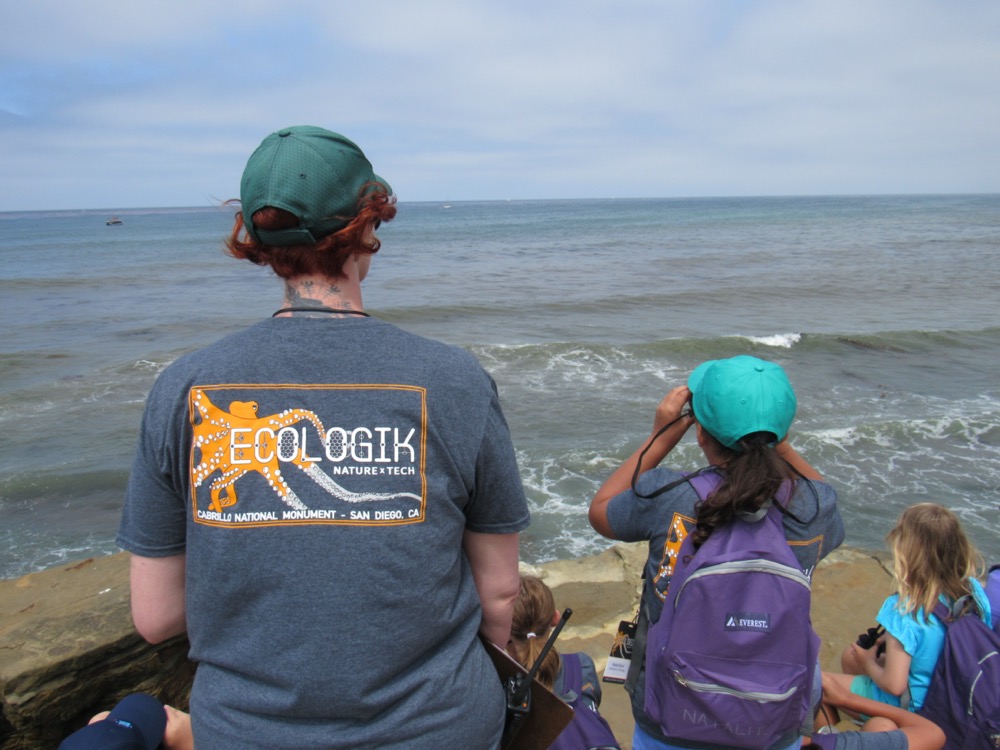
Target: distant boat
[[113, 220]]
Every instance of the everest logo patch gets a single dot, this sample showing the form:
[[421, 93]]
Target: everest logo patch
[[759, 622]]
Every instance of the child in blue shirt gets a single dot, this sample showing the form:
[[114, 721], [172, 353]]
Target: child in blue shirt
[[933, 560]]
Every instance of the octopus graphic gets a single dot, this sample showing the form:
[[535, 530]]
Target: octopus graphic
[[218, 452], [678, 531], [213, 438], [622, 644]]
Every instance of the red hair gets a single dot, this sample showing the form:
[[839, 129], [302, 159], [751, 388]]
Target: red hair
[[326, 257]]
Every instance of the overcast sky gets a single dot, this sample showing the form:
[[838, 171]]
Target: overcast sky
[[140, 104]]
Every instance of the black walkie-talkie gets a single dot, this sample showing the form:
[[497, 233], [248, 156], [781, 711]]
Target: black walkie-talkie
[[518, 687]]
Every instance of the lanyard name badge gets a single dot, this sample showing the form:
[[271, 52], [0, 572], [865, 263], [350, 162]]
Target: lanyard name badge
[[621, 652]]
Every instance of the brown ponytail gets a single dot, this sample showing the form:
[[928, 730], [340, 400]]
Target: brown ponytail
[[533, 616], [753, 475]]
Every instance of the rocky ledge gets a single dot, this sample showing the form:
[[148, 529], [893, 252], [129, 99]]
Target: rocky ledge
[[68, 648]]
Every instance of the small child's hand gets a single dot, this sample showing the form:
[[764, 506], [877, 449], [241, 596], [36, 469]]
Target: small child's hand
[[178, 735], [866, 657], [879, 650]]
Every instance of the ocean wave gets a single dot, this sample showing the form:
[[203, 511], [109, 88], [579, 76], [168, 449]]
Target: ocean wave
[[779, 340], [585, 313], [701, 348]]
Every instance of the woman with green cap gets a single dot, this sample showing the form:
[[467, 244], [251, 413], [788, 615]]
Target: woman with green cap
[[327, 505], [741, 409]]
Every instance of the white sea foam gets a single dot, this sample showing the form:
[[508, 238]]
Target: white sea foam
[[150, 366], [778, 340]]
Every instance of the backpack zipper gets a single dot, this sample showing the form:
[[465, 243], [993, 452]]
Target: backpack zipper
[[972, 688], [748, 566], [708, 687]]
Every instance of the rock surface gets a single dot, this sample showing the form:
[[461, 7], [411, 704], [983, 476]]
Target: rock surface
[[68, 648]]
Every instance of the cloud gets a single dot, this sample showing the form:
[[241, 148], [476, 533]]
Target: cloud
[[114, 104]]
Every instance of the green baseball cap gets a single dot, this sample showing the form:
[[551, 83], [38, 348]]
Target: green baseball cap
[[735, 397], [314, 174]]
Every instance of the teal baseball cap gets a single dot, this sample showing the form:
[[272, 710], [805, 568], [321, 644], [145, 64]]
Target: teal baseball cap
[[315, 174], [735, 397]]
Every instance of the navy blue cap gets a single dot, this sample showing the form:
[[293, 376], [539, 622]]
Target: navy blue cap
[[136, 723]]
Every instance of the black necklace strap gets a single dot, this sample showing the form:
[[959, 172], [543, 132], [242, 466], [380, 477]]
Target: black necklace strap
[[330, 310], [638, 466]]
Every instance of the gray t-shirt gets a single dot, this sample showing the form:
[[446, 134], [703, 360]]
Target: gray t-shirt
[[319, 475], [895, 740], [813, 530]]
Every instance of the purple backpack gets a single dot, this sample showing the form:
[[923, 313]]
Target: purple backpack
[[964, 695], [588, 730], [993, 594], [731, 660]]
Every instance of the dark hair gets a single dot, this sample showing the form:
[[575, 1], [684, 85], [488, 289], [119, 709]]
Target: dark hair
[[753, 475], [326, 257]]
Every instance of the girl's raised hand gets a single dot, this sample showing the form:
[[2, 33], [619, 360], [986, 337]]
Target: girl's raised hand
[[671, 407]]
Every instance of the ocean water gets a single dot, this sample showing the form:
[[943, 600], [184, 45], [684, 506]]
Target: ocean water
[[885, 311]]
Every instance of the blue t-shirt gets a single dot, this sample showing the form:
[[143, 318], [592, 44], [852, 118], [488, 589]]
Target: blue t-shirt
[[922, 637]]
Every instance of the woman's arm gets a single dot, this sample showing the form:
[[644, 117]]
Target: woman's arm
[[493, 558], [157, 585], [668, 411]]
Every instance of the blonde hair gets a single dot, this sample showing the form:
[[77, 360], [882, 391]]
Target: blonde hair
[[533, 616], [931, 556]]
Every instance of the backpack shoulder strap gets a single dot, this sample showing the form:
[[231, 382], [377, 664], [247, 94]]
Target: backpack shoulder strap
[[572, 673], [944, 614], [638, 648], [992, 590], [963, 605], [704, 483]]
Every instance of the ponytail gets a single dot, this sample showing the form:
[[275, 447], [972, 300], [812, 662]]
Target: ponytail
[[753, 475], [533, 615]]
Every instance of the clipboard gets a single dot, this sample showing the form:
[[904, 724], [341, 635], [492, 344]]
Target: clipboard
[[539, 715]]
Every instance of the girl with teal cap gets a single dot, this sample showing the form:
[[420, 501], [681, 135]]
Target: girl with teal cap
[[742, 409]]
